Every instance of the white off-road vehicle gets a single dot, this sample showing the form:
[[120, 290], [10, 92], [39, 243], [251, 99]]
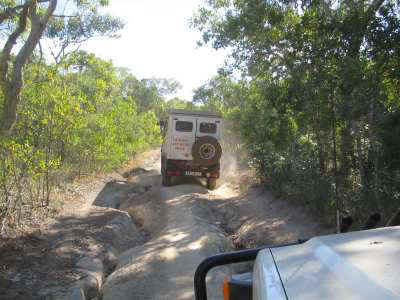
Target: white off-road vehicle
[[355, 265], [191, 146]]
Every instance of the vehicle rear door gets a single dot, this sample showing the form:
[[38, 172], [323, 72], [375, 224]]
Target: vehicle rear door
[[183, 137]]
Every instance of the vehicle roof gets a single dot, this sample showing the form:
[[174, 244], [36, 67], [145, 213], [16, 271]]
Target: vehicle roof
[[194, 113], [354, 265]]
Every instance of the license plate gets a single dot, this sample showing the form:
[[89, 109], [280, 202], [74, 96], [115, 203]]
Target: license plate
[[191, 173]]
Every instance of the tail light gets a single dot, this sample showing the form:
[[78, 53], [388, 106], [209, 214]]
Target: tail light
[[226, 290], [238, 287], [214, 174], [174, 173]]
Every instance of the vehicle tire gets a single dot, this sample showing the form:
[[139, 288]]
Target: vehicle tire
[[211, 183], [166, 180], [206, 151]]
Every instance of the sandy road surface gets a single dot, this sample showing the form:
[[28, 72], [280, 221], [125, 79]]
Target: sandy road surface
[[163, 268], [128, 237], [188, 223]]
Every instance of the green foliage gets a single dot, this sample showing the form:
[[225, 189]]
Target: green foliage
[[318, 109], [75, 118]]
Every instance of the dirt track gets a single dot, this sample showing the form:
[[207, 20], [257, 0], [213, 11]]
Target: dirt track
[[163, 267], [130, 238]]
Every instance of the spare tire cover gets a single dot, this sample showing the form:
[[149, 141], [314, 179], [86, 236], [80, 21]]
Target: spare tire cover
[[206, 150]]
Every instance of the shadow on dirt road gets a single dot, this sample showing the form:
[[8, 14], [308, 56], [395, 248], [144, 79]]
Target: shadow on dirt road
[[135, 239], [181, 232]]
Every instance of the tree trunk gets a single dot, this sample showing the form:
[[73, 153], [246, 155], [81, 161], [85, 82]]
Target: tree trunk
[[12, 83], [346, 151], [11, 100], [335, 168], [361, 160], [394, 219]]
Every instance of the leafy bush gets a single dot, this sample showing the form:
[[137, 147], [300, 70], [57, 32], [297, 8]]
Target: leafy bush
[[74, 119]]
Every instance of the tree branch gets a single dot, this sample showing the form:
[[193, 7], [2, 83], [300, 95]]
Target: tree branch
[[61, 52], [41, 51], [10, 11], [12, 88], [372, 9], [12, 39], [65, 16], [38, 27]]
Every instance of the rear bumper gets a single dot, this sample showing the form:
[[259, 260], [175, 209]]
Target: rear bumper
[[188, 168]]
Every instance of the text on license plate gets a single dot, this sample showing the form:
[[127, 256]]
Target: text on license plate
[[191, 173]]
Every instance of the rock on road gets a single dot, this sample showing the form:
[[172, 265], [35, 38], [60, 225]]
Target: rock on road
[[163, 268]]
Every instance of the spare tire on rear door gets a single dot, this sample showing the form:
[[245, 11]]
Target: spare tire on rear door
[[206, 151]]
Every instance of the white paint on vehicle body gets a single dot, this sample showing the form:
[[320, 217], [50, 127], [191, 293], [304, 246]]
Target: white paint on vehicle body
[[355, 265], [178, 144], [269, 285]]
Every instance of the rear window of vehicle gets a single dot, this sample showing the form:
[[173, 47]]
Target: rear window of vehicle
[[184, 126], [208, 127]]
